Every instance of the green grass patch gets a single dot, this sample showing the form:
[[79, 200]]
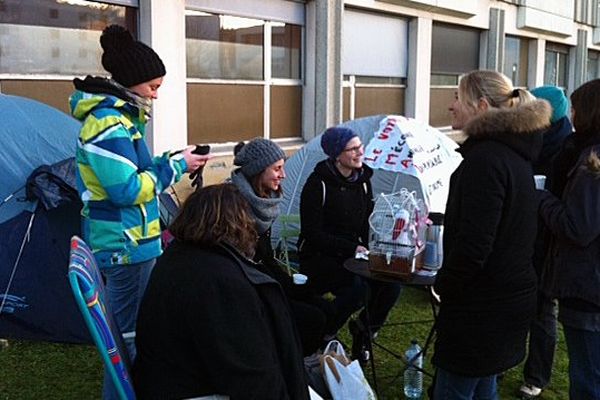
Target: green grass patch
[[32, 370]]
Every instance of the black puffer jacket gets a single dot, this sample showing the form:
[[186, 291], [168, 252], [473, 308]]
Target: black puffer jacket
[[487, 283], [211, 323]]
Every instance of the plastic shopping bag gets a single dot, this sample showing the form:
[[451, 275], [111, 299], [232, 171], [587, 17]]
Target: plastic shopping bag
[[314, 395], [345, 379]]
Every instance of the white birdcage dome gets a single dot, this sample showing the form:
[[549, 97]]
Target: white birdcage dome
[[397, 224]]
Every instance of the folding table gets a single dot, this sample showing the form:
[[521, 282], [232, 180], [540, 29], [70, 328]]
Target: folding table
[[361, 268]]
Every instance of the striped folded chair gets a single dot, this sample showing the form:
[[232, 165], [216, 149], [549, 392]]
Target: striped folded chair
[[88, 288]]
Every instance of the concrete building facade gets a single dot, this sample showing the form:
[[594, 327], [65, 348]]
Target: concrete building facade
[[287, 69]]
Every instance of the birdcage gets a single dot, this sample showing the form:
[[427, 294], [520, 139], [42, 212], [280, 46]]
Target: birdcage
[[397, 234]]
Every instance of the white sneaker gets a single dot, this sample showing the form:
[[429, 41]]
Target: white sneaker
[[528, 391]]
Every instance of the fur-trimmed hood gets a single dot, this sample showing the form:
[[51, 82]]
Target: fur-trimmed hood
[[592, 163], [519, 127]]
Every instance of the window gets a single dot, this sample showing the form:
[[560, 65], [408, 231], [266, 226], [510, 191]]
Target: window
[[225, 47], [556, 65], [56, 36], [374, 79], [593, 65], [516, 55], [244, 78], [286, 41], [454, 51], [586, 11]]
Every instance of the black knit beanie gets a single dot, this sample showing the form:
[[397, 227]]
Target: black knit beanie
[[130, 62]]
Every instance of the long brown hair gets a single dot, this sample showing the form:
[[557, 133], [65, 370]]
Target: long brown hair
[[260, 190], [585, 101], [216, 214]]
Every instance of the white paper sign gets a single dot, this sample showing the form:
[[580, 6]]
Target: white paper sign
[[408, 146]]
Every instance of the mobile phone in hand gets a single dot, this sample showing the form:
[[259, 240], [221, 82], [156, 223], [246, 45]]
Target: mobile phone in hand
[[201, 149]]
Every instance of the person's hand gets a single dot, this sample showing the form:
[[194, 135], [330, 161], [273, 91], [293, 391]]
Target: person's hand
[[194, 161], [360, 249]]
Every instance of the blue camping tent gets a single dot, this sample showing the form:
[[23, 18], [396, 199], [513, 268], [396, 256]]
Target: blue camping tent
[[39, 212]]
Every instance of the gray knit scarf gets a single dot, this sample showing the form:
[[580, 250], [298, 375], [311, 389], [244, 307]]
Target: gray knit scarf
[[134, 98], [265, 211]]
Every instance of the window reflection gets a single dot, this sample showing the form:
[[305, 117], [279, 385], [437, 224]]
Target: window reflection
[[592, 65], [556, 65], [285, 52], [224, 47], [516, 54], [56, 36]]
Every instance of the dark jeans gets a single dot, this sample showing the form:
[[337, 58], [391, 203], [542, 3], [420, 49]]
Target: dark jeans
[[311, 324], [125, 286], [450, 386], [381, 300], [350, 291], [583, 348], [326, 274], [542, 344], [349, 298]]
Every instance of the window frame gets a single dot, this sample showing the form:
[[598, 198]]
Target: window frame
[[268, 80], [559, 51], [523, 43], [11, 76]]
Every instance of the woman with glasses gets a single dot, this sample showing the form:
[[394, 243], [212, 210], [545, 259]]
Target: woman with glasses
[[335, 205]]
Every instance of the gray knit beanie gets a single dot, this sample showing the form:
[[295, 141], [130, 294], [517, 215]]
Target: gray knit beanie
[[257, 155]]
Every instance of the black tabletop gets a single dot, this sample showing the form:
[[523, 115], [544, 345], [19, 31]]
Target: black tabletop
[[361, 268]]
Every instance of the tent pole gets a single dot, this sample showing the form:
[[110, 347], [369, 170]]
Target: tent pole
[[26, 238]]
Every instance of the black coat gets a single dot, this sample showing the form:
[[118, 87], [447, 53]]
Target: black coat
[[487, 283], [554, 137], [310, 311], [210, 323], [574, 272], [331, 229]]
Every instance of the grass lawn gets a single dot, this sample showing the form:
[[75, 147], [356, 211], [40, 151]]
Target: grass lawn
[[59, 371]]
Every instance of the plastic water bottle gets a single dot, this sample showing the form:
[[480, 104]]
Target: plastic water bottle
[[413, 377]]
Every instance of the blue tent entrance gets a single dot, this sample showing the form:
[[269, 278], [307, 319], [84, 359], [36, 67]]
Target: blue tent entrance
[[39, 212]]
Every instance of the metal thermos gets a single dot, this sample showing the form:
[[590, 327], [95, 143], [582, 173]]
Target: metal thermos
[[433, 244]]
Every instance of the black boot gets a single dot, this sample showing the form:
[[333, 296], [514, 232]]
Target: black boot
[[360, 342]]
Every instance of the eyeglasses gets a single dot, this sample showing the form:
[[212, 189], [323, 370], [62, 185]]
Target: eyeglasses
[[355, 149]]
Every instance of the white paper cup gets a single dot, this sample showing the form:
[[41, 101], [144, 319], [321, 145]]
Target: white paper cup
[[540, 181], [299, 279]]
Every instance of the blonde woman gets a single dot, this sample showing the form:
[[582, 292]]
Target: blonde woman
[[487, 284]]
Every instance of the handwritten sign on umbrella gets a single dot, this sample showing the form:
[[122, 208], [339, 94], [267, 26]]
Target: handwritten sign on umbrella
[[407, 146]]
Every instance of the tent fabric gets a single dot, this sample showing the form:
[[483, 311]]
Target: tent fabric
[[40, 304], [53, 185], [39, 213], [32, 134], [301, 164]]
